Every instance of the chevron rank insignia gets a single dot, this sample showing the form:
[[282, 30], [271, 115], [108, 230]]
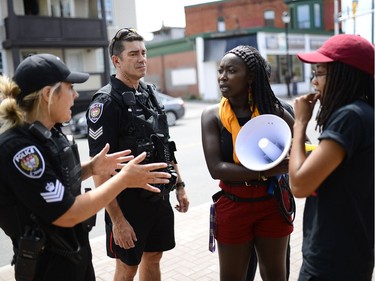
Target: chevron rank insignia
[[30, 162], [96, 134], [55, 192]]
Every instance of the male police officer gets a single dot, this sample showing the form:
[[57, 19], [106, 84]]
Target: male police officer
[[126, 114]]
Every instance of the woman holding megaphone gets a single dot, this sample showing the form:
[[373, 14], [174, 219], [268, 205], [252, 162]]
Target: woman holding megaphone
[[246, 210]]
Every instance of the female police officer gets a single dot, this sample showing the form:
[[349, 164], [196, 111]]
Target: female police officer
[[41, 207]]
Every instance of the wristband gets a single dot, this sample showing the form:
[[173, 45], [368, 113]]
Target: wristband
[[180, 184]]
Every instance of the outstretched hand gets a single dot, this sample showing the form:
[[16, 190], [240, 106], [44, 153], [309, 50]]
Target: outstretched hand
[[104, 164], [136, 175]]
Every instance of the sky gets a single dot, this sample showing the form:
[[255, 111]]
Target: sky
[[151, 15]]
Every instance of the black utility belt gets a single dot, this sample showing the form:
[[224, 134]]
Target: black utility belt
[[236, 198]]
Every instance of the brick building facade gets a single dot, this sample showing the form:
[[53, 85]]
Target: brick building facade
[[187, 67]]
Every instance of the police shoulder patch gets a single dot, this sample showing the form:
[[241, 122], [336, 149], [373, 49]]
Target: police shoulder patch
[[95, 111], [30, 162]]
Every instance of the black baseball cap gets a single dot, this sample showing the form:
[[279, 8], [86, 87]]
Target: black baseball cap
[[38, 71]]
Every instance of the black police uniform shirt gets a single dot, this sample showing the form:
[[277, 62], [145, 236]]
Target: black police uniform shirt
[[29, 174], [104, 128], [338, 224], [30, 182]]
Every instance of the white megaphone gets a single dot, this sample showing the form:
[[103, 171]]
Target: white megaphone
[[263, 142]]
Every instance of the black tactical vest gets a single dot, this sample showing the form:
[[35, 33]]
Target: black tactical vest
[[145, 132]]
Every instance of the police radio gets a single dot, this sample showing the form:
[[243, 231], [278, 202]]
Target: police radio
[[30, 246]]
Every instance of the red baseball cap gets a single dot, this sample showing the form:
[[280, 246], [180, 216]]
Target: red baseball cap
[[350, 49]]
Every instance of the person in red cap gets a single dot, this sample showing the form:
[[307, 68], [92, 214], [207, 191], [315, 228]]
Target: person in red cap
[[337, 178], [42, 209]]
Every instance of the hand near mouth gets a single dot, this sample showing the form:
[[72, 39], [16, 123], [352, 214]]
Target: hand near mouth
[[304, 107]]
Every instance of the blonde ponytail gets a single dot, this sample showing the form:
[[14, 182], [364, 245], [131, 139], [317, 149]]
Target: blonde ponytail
[[11, 114]]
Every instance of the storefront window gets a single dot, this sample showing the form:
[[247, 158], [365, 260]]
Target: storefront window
[[279, 68]]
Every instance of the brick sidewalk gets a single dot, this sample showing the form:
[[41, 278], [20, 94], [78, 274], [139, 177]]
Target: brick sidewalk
[[190, 260]]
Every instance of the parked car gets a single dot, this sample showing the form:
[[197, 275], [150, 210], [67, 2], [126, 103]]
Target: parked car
[[174, 108], [78, 125]]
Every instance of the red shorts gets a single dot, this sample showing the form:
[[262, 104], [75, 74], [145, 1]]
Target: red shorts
[[240, 222]]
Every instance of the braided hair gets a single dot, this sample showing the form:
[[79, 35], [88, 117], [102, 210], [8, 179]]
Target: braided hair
[[262, 94], [344, 85]]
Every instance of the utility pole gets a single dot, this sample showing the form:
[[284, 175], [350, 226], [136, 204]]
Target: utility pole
[[288, 74]]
